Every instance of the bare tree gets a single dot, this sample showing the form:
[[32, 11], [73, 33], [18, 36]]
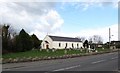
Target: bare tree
[[96, 39], [81, 38], [90, 40], [12, 31]]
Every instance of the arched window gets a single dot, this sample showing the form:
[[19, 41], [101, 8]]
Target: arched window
[[66, 45], [46, 42], [77, 45], [59, 44], [72, 45]]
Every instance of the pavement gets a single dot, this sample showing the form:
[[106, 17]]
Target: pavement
[[101, 62]]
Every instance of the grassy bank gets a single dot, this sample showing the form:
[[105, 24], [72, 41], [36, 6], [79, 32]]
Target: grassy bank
[[36, 55], [44, 53]]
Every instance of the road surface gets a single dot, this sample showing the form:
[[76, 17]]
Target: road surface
[[101, 62]]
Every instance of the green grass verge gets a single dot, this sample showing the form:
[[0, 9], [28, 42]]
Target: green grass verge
[[44, 53]]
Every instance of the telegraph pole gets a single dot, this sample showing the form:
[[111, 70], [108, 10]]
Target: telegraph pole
[[109, 37]]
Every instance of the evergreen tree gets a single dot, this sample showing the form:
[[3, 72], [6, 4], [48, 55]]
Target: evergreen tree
[[35, 41], [85, 44], [23, 41]]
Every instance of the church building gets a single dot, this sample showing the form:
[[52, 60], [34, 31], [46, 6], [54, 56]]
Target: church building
[[58, 42]]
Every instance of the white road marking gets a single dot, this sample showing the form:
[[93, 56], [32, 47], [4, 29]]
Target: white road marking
[[67, 68], [114, 58], [98, 61], [17, 68]]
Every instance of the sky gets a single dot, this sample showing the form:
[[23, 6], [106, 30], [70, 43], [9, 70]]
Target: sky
[[63, 18]]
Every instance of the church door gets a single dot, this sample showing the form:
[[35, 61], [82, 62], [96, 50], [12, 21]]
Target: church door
[[47, 46]]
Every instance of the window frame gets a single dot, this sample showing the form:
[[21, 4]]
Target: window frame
[[59, 44]]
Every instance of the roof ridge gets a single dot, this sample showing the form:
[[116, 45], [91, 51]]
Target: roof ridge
[[60, 38]]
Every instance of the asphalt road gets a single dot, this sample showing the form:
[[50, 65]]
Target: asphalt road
[[102, 62]]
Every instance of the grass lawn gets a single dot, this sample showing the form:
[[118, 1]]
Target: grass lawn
[[43, 53]]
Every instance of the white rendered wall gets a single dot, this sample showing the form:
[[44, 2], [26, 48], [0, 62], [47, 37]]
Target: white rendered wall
[[43, 44], [55, 44]]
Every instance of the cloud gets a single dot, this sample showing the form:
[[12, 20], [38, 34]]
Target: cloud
[[87, 33], [84, 5], [98, 4], [59, 0], [39, 18], [103, 32]]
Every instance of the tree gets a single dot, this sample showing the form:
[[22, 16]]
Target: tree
[[12, 32], [90, 40], [82, 39], [5, 38], [11, 42], [35, 41], [85, 44], [23, 41], [96, 39]]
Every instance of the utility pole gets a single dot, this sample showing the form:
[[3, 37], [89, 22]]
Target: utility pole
[[109, 37]]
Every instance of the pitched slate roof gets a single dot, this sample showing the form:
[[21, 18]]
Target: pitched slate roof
[[67, 39]]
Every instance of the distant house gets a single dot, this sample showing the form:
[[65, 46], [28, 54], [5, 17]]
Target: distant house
[[58, 42], [115, 44]]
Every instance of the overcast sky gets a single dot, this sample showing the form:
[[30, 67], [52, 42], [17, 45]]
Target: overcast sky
[[72, 19]]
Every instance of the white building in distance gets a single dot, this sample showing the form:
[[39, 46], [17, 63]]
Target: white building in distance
[[58, 42]]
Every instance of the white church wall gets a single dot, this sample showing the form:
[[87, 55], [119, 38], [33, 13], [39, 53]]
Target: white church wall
[[69, 44], [55, 44], [43, 44]]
